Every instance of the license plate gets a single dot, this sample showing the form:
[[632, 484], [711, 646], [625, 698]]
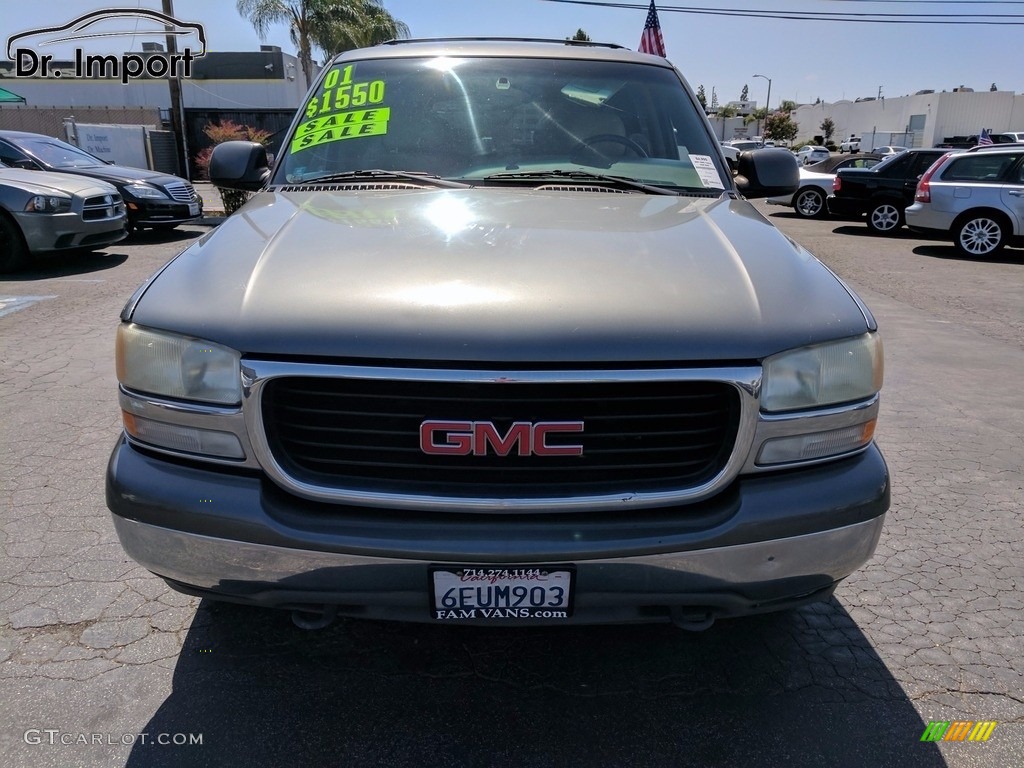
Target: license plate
[[193, 209], [483, 593]]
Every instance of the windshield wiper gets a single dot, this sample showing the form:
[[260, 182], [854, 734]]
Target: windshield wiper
[[377, 173], [621, 181]]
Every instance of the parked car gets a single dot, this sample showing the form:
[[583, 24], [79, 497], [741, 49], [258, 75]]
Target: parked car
[[505, 343], [41, 212], [816, 183], [851, 144], [743, 145], [154, 200], [888, 150], [974, 198], [810, 154], [732, 155], [882, 193]]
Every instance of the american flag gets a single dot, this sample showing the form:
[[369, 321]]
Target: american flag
[[651, 40], [984, 140]]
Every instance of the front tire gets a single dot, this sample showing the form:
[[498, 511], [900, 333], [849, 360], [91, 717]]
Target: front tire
[[809, 203], [980, 235], [885, 218], [13, 251]]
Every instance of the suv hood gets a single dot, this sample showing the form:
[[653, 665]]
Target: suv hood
[[500, 275]]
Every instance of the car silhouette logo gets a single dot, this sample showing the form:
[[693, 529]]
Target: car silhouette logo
[[86, 28]]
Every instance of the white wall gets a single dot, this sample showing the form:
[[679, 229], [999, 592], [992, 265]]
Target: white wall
[[946, 114]]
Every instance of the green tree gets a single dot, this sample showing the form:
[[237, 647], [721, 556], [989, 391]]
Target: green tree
[[263, 14], [331, 25], [828, 128], [702, 98], [745, 93], [787, 106], [779, 126], [993, 87], [341, 25], [582, 36], [727, 111]]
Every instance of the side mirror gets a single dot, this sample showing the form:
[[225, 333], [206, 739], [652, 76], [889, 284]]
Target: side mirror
[[767, 173], [239, 165]]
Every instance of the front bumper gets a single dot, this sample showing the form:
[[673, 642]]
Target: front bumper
[[147, 212], [61, 231], [766, 542]]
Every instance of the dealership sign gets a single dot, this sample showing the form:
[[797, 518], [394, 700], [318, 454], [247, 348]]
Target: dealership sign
[[25, 49]]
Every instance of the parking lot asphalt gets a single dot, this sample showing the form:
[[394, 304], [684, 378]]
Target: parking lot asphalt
[[100, 662]]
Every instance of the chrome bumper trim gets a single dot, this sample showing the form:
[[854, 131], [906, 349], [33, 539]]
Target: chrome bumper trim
[[207, 562]]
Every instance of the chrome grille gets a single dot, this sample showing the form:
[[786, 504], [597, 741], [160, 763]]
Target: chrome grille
[[363, 435], [181, 191], [102, 207]]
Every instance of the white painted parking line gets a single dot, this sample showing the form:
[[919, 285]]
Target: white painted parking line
[[9, 304]]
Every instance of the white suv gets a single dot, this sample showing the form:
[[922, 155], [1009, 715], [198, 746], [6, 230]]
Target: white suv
[[975, 197], [851, 145]]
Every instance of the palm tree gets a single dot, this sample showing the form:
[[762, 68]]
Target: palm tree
[[332, 25], [341, 25], [263, 14]]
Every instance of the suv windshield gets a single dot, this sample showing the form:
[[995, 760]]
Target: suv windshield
[[482, 118]]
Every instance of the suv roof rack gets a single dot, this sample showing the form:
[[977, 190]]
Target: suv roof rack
[[503, 40]]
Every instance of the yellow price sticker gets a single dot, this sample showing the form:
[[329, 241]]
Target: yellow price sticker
[[356, 124]]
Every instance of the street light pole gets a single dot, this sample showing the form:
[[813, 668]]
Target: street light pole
[[767, 103]]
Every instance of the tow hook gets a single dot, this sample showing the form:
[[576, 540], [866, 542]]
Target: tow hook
[[312, 620], [691, 619]]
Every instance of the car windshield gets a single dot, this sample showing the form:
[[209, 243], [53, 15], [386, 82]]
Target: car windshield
[[500, 120], [57, 154]]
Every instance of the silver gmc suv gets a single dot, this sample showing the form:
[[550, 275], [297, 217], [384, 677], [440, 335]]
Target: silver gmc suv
[[499, 340]]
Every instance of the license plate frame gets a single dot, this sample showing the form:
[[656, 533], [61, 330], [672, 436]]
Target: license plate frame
[[193, 209], [488, 593]]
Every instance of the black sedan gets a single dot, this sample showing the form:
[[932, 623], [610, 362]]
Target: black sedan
[[153, 199]]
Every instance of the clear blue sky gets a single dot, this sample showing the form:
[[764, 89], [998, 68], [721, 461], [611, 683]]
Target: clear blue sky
[[806, 59]]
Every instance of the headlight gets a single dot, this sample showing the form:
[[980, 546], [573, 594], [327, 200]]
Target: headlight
[[144, 190], [49, 204], [825, 374], [175, 366]]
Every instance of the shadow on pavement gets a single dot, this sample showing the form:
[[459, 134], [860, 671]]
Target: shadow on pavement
[[862, 230], [803, 688], [184, 232], [67, 263], [950, 253]]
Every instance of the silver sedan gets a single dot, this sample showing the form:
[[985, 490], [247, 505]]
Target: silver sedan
[[42, 212]]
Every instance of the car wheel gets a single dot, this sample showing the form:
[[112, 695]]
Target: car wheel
[[885, 218], [809, 203], [13, 251], [980, 235]]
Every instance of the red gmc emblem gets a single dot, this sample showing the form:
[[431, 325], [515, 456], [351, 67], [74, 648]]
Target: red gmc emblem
[[462, 438]]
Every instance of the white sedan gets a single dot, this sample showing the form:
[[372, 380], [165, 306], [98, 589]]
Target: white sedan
[[811, 154], [886, 151], [816, 184]]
